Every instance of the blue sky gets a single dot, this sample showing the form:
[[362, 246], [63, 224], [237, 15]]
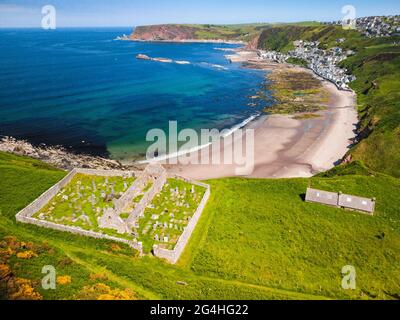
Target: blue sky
[[73, 13]]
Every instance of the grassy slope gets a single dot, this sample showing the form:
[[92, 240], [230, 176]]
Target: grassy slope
[[268, 245], [244, 32], [376, 65]]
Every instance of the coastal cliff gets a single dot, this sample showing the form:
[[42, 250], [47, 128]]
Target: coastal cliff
[[245, 34], [163, 32]]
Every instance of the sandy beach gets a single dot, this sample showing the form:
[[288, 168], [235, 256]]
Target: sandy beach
[[285, 147]]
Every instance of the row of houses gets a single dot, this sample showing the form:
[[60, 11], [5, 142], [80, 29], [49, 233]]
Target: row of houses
[[373, 26], [323, 62]]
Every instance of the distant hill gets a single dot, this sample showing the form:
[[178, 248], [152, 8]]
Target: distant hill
[[248, 33], [175, 32]]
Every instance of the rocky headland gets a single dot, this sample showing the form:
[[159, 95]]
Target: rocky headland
[[58, 156], [194, 33]]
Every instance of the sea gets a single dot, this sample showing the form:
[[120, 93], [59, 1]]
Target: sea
[[81, 89]]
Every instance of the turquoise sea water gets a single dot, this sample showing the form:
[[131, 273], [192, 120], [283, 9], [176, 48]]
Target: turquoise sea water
[[80, 89]]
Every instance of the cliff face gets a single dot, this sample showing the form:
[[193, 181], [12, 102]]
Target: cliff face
[[253, 44], [218, 33], [163, 32]]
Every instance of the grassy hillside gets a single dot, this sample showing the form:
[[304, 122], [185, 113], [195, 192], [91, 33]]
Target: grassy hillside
[[378, 87], [267, 244], [243, 32], [376, 65], [234, 32]]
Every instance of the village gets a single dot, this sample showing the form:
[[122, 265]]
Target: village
[[374, 26], [324, 63]]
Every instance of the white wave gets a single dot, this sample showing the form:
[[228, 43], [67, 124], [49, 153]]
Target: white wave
[[200, 147], [225, 49], [216, 66], [240, 125], [182, 62]]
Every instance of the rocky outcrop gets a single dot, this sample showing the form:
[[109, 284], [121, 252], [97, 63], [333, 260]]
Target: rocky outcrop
[[57, 156], [186, 33], [253, 44]]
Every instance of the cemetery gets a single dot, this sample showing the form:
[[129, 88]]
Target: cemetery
[[150, 210]]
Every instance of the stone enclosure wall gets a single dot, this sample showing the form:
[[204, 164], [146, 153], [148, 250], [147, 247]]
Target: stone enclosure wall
[[172, 256], [25, 215], [138, 211], [159, 179]]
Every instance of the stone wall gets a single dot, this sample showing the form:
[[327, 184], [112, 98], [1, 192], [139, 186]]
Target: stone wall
[[79, 231], [159, 178], [25, 215], [172, 256], [109, 173], [133, 191], [138, 211], [40, 202]]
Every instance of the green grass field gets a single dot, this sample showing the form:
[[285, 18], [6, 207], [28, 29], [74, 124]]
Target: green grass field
[[265, 244]]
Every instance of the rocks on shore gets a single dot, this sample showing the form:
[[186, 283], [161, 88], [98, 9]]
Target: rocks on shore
[[163, 60], [143, 57], [58, 156]]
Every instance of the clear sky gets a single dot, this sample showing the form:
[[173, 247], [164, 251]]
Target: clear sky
[[73, 13]]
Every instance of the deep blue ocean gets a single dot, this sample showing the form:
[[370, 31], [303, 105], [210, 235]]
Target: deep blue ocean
[[81, 89]]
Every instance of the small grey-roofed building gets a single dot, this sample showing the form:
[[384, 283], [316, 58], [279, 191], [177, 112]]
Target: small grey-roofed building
[[324, 197], [357, 203]]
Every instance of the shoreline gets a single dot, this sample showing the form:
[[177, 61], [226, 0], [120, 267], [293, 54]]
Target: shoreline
[[59, 157], [286, 147]]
